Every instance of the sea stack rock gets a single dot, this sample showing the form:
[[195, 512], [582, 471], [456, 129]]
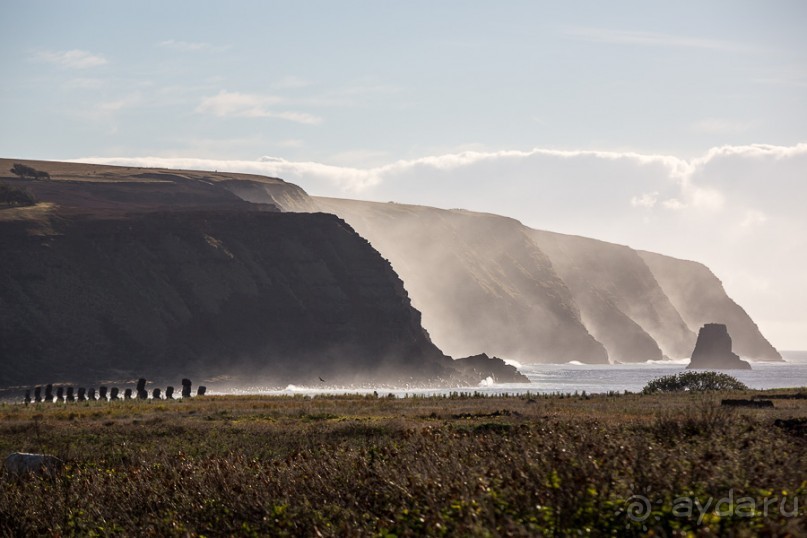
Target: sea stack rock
[[713, 350]]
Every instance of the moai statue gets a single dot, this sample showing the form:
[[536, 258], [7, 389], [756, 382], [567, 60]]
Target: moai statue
[[49, 393], [70, 397], [201, 390], [27, 396], [60, 394], [82, 394], [37, 394], [141, 389], [113, 393], [156, 394], [102, 393], [127, 394], [186, 388], [169, 392], [91, 394]]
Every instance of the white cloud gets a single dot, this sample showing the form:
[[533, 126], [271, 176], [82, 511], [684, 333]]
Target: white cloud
[[188, 46], [647, 200], [73, 59], [83, 83], [753, 218], [249, 105], [121, 103], [656, 39], [673, 203], [290, 143], [291, 82], [721, 126]]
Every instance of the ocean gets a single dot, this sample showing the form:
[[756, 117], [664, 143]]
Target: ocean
[[578, 377], [553, 378]]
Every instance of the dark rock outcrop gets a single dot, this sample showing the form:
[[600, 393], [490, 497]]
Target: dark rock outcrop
[[481, 367], [713, 350]]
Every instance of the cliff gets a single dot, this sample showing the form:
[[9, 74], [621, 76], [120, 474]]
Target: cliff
[[283, 297], [700, 298], [485, 282], [480, 281], [620, 301], [122, 272]]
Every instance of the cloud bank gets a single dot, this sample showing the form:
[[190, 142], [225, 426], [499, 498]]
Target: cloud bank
[[72, 59], [247, 105], [738, 209]]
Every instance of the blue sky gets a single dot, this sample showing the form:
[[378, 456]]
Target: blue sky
[[676, 127]]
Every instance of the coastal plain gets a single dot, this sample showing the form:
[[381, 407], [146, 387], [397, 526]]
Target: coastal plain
[[462, 464]]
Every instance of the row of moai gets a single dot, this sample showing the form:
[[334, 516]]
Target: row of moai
[[67, 394]]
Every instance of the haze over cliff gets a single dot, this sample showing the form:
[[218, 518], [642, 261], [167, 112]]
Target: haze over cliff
[[119, 270], [488, 282]]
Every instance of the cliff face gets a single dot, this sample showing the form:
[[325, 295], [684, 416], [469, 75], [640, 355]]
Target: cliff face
[[121, 272], [620, 301], [488, 283], [700, 298], [480, 281], [249, 294]]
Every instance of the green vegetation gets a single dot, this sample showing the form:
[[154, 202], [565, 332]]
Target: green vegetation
[[13, 196], [367, 466], [694, 382]]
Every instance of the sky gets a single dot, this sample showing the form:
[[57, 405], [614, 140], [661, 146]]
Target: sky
[[678, 127]]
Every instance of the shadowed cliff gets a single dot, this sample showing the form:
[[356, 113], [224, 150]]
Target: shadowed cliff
[[287, 297], [120, 272]]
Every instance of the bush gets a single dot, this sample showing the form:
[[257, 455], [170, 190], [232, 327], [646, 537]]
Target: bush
[[27, 172], [12, 196], [693, 382]]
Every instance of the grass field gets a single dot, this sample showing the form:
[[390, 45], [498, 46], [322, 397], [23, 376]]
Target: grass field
[[460, 466]]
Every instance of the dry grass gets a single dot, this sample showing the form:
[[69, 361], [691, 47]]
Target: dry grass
[[355, 465]]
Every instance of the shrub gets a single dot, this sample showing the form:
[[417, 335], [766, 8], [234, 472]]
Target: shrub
[[13, 196], [693, 382], [28, 172]]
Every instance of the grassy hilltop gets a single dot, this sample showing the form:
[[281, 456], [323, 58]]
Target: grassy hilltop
[[459, 466]]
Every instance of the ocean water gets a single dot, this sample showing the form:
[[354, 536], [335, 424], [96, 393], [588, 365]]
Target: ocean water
[[552, 378], [571, 377]]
